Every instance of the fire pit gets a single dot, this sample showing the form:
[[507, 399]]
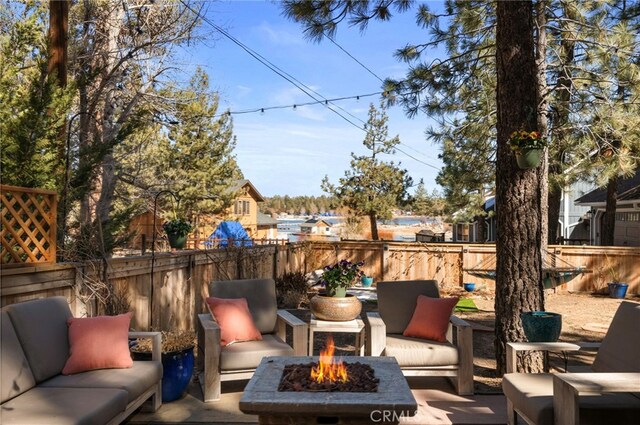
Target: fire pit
[[329, 374], [391, 400]]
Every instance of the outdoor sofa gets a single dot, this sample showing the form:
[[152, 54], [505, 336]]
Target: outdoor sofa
[[34, 350]]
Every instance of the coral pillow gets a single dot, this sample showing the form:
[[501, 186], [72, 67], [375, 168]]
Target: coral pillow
[[98, 343], [431, 318], [234, 318]]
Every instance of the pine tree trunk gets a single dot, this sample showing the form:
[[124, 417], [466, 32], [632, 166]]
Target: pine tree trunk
[[519, 237], [609, 219], [543, 105], [373, 220], [554, 199], [57, 68]]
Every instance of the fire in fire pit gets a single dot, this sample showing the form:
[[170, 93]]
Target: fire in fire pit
[[329, 374]]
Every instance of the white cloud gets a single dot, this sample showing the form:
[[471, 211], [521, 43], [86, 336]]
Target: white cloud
[[278, 36]]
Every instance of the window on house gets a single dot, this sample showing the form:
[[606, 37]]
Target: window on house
[[462, 231], [242, 208]]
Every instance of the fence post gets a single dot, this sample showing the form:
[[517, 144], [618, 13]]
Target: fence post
[[384, 261], [275, 262]]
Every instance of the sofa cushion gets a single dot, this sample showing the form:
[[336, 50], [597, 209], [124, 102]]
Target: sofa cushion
[[98, 343], [415, 352], [431, 318], [234, 318], [532, 394], [14, 367], [247, 355], [260, 295], [42, 323], [64, 406], [135, 380], [620, 348], [397, 301]]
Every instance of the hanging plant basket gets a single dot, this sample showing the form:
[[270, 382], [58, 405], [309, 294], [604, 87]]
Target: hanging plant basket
[[176, 240], [528, 158]]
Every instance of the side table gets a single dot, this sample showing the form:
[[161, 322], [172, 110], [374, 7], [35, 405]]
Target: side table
[[355, 326]]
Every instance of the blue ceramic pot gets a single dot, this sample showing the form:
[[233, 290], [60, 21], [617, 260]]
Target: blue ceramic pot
[[178, 368], [541, 326], [618, 290], [469, 287], [366, 281]]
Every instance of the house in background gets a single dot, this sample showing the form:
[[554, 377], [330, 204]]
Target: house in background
[[267, 227], [245, 207], [572, 226], [244, 210], [627, 227], [316, 226], [482, 229]]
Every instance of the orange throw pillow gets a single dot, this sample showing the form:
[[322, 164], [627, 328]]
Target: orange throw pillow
[[98, 343], [234, 318], [431, 318]]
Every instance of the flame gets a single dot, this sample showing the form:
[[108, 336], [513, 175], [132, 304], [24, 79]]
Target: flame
[[328, 369]]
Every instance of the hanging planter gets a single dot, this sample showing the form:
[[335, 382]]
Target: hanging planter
[[177, 232], [528, 147], [528, 158]]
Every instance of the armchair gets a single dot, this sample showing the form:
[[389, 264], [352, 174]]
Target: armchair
[[609, 393], [239, 360], [419, 357]]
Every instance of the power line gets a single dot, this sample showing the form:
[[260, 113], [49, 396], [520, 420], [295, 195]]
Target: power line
[[353, 57], [283, 74], [297, 83]]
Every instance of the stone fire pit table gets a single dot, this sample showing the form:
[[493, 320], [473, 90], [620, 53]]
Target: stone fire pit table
[[392, 402]]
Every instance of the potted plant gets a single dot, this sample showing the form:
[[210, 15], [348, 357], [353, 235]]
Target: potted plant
[[177, 361], [335, 304], [177, 232], [617, 288], [366, 280], [528, 147]]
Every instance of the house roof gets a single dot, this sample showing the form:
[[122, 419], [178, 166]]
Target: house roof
[[315, 221], [266, 220], [239, 184], [628, 190]]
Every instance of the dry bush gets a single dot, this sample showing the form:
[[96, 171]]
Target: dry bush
[[171, 341], [291, 290]]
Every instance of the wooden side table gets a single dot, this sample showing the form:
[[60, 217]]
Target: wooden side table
[[355, 326]]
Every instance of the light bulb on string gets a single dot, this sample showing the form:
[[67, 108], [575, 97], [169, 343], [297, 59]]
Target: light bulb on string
[[261, 111]]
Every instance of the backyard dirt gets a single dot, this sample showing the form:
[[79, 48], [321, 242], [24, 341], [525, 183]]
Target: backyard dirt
[[584, 318]]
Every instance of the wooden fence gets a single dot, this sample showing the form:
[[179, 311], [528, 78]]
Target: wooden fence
[[172, 296], [28, 233]]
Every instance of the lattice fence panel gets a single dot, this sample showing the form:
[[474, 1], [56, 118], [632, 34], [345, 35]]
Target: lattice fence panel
[[28, 231]]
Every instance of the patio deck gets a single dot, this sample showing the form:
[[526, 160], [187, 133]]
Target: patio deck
[[437, 405]]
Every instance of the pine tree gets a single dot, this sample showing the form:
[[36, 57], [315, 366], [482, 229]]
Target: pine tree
[[373, 187]]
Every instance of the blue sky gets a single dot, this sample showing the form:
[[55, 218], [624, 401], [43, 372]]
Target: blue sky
[[289, 151]]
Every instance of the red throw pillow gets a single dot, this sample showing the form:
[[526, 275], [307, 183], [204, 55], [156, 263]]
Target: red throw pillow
[[431, 318], [234, 318], [98, 343]]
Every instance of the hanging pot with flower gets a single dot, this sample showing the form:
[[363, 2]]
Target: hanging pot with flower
[[528, 147]]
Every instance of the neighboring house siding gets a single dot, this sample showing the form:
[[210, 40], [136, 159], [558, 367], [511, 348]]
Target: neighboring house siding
[[571, 225]]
